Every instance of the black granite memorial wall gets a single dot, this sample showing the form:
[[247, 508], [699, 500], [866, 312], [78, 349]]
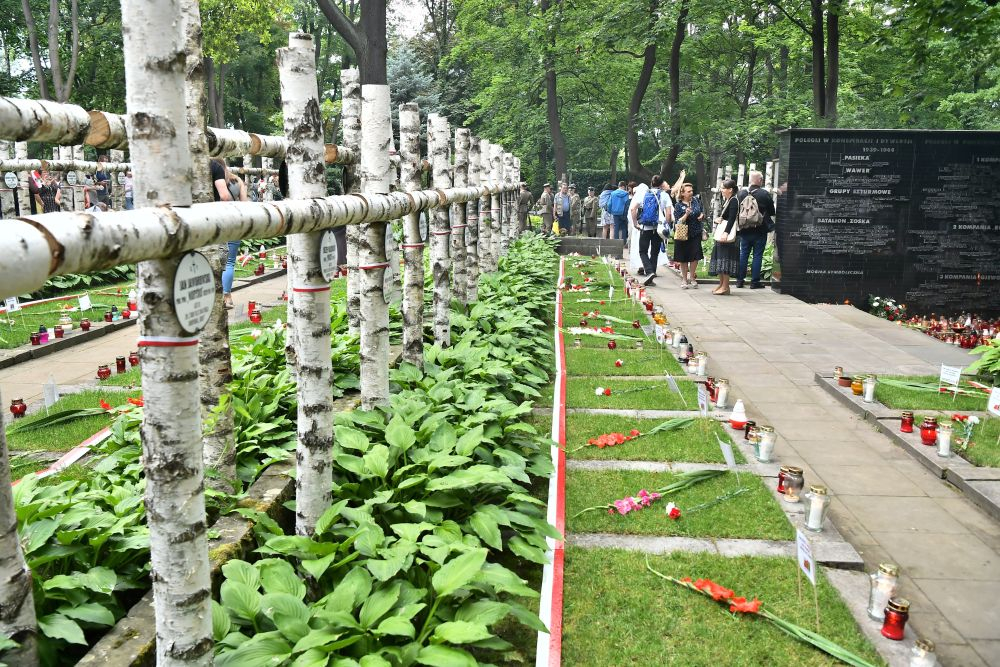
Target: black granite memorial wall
[[908, 214]]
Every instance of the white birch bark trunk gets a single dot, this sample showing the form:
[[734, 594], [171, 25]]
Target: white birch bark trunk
[[78, 198], [472, 227], [376, 178], [510, 212], [171, 429], [309, 314], [215, 360], [65, 154], [460, 271], [350, 86], [496, 210], [440, 232], [226, 142], [41, 120], [17, 607], [117, 191], [107, 130], [6, 195], [267, 145], [486, 213], [23, 193], [413, 246]]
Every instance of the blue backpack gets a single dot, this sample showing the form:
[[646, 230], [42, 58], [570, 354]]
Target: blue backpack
[[619, 200], [650, 209]]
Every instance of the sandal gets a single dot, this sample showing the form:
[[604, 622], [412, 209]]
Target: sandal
[[722, 292]]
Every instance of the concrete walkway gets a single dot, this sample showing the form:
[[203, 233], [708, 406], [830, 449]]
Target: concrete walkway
[[888, 506], [78, 365]]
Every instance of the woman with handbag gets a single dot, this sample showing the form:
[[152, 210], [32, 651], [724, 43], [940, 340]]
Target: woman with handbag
[[725, 253], [687, 235]]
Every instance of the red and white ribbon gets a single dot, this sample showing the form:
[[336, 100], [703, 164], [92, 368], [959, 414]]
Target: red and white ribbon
[[372, 267], [307, 290], [407, 246], [166, 341]]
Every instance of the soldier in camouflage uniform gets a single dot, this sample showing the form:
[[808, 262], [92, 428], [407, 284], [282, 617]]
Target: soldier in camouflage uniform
[[524, 201], [545, 203], [575, 210], [591, 210]]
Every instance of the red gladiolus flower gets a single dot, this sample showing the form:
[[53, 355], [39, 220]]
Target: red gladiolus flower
[[960, 418], [105, 404], [634, 432], [135, 401], [741, 605], [715, 590]]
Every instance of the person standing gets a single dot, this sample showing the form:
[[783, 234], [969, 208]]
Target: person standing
[[222, 192], [102, 179], [524, 202], [49, 197], [756, 219], [575, 209], [563, 208], [129, 198], [607, 221], [647, 215], [618, 208], [688, 215], [725, 254], [591, 209], [545, 204]]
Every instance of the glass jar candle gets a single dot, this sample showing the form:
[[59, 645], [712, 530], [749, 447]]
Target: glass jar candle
[[120, 365], [57, 330], [817, 504], [897, 612], [692, 364], [858, 385], [126, 314], [868, 385], [251, 306], [944, 441], [259, 271], [702, 363], [721, 392], [923, 654], [838, 372], [36, 338], [766, 438], [675, 340], [85, 324], [108, 316], [133, 358], [782, 472], [906, 422], [43, 334], [638, 344], [795, 481], [748, 428], [18, 408], [928, 431], [255, 317], [103, 372], [66, 322], [577, 342], [883, 585]]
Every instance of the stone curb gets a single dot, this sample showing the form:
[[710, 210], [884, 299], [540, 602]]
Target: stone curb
[[29, 352], [831, 555]]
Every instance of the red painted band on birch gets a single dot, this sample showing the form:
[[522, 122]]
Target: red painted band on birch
[[441, 233], [372, 267], [311, 289], [166, 341], [458, 227], [412, 245]]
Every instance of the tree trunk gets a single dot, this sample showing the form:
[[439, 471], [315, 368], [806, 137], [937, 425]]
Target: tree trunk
[[220, 95], [783, 71], [441, 231], [832, 60], [171, 429], [613, 164], [635, 166], [210, 82], [215, 361], [551, 93], [460, 276], [36, 56], [472, 224], [413, 246], [376, 178], [748, 91], [351, 86], [680, 30], [816, 37], [309, 311], [17, 607]]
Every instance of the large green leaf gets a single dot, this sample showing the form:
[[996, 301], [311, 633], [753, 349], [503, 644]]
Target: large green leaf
[[399, 434], [240, 599], [461, 632], [263, 650], [278, 576], [58, 626], [378, 604], [458, 572], [487, 530], [437, 655]]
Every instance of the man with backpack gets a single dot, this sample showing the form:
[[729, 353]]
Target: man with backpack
[[618, 208], [647, 212], [756, 219]]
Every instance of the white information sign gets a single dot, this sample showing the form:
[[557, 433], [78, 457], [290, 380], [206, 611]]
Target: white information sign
[[727, 453], [85, 304], [10, 180], [121, 178], [11, 304], [951, 375], [328, 255], [611, 292], [673, 384], [194, 292], [50, 391], [703, 399], [71, 177], [805, 555], [993, 403]]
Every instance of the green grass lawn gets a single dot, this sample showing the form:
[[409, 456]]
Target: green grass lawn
[[651, 360], [574, 308], [754, 514], [66, 436], [16, 329], [25, 465], [695, 443], [986, 448], [619, 613], [656, 395], [130, 378], [911, 399]]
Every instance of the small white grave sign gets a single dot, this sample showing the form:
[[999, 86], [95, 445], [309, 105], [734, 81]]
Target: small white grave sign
[[951, 375], [194, 292], [328, 255], [805, 555], [11, 304]]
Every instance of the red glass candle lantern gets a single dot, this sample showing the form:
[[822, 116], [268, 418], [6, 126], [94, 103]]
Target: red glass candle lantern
[[255, 317], [906, 422], [58, 331], [133, 358], [251, 306], [612, 344], [284, 265], [127, 313], [583, 323], [103, 372], [782, 473], [120, 365], [18, 408], [928, 431], [897, 612], [108, 316], [85, 324], [36, 338], [259, 271]]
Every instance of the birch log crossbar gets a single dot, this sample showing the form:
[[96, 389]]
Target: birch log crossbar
[[35, 248]]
